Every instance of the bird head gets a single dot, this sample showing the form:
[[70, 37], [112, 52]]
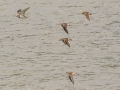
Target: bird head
[[19, 11]]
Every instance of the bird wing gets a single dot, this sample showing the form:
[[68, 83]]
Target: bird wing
[[23, 11], [71, 78], [87, 16], [64, 42], [65, 28], [64, 25], [67, 43]]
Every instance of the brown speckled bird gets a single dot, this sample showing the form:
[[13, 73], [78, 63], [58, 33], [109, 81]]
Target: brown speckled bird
[[64, 25], [71, 74], [65, 41], [87, 15], [22, 12]]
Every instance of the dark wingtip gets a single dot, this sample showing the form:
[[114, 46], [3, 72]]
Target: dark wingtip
[[18, 10]]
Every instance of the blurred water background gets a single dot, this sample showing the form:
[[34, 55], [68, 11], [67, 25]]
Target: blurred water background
[[33, 58]]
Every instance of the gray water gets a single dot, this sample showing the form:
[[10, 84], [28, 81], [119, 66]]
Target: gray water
[[33, 58]]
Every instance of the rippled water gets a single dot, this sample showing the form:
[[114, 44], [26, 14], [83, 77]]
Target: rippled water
[[33, 58]]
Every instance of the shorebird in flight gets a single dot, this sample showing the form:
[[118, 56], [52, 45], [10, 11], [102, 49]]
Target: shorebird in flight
[[65, 41], [22, 12], [87, 15], [71, 74], [64, 25]]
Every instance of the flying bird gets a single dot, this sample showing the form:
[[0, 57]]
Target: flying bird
[[22, 12], [64, 25], [87, 15], [71, 74], [65, 41]]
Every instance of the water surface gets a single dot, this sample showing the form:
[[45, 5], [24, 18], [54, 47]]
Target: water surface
[[33, 58]]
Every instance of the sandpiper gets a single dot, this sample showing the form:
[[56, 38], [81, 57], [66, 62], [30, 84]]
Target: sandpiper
[[86, 14], [22, 12], [71, 74], [64, 25], [65, 41]]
